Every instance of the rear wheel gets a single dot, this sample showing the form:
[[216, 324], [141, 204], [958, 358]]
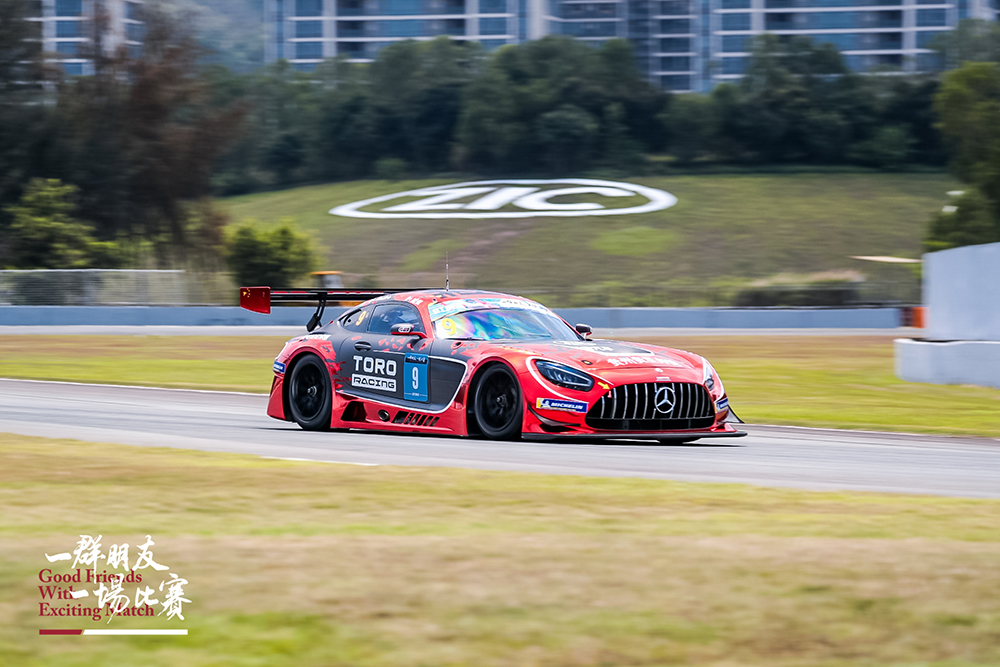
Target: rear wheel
[[310, 395], [497, 404]]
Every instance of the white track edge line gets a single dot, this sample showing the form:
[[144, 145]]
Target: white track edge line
[[132, 386]]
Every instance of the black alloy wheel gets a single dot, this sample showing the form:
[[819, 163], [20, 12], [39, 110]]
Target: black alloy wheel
[[497, 404], [310, 395]]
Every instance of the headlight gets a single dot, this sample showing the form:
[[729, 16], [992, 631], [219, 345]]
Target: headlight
[[564, 376], [709, 377]]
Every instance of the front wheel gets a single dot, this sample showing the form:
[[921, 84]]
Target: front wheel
[[310, 395], [497, 404]]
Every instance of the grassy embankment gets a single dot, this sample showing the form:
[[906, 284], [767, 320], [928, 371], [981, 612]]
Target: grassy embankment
[[724, 231], [318, 564], [843, 382]]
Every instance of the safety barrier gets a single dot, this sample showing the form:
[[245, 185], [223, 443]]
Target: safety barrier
[[607, 318]]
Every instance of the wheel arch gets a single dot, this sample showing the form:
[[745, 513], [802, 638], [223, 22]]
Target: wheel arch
[[471, 426], [290, 365]]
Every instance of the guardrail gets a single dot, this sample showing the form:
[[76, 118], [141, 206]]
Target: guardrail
[[605, 318]]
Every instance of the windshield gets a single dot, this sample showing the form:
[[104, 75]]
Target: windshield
[[503, 324]]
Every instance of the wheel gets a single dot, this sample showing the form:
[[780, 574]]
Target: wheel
[[310, 395], [497, 404]]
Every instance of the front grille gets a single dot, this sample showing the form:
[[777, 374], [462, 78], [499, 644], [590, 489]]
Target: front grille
[[633, 407]]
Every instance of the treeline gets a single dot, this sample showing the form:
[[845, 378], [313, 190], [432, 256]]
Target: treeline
[[429, 107], [558, 106]]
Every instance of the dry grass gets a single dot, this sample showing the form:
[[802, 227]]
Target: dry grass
[[319, 564]]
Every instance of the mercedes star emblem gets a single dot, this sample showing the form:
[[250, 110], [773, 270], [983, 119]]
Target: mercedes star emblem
[[664, 400]]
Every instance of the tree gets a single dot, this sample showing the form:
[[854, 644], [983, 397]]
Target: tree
[[688, 122], [45, 235], [23, 114], [972, 40], [532, 101], [567, 135], [968, 222], [275, 257], [968, 104], [139, 138], [889, 149]]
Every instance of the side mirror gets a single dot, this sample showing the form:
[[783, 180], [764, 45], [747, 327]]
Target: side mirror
[[404, 329], [584, 329]]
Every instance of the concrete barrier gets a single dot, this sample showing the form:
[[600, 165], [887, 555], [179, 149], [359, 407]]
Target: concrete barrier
[[955, 362], [962, 343], [605, 318], [961, 293]]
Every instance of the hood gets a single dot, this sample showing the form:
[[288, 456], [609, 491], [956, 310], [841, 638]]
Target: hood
[[605, 355]]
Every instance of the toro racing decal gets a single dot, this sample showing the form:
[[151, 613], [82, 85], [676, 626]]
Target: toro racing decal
[[374, 373], [279, 367], [565, 405]]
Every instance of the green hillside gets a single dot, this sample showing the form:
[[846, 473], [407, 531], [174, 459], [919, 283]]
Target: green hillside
[[724, 232]]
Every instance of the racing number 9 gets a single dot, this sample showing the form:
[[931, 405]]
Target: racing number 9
[[415, 368]]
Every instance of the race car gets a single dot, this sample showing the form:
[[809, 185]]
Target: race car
[[482, 364]]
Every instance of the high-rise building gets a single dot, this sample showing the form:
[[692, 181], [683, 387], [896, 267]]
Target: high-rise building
[[307, 31], [681, 45], [869, 33], [71, 29]]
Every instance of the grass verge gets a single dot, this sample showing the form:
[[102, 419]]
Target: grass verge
[[319, 564], [839, 382]]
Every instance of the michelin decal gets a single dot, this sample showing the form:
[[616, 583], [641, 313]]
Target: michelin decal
[[564, 405]]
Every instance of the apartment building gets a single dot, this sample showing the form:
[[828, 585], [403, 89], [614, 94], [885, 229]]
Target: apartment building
[[681, 45], [70, 28]]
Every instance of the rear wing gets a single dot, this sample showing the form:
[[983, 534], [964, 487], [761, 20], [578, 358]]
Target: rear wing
[[259, 299]]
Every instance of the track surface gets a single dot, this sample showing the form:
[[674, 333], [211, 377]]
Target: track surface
[[770, 456]]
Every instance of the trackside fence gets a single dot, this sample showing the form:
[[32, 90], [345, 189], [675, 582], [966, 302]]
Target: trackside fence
[[114, 287]]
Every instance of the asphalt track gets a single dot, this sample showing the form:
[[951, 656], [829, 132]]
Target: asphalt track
[[819, 459]]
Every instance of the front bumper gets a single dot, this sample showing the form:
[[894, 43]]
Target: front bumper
[[537, 423]]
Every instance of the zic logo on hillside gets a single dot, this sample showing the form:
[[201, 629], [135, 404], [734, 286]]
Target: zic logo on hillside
[[570, 197]]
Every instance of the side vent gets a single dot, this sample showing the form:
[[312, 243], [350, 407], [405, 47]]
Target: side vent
[[355, 412], [414, 419]]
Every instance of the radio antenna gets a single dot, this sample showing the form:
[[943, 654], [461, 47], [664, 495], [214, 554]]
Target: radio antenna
[[447, 280]]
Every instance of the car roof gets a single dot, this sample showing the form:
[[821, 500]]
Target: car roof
[[426, 298]]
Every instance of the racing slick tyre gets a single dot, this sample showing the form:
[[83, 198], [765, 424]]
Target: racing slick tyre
[[310, 395], [497, 404]]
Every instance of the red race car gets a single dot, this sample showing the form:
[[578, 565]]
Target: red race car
[[475, 363]]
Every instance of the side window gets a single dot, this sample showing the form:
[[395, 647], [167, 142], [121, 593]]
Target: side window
[[387, 314], [356, 320]]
